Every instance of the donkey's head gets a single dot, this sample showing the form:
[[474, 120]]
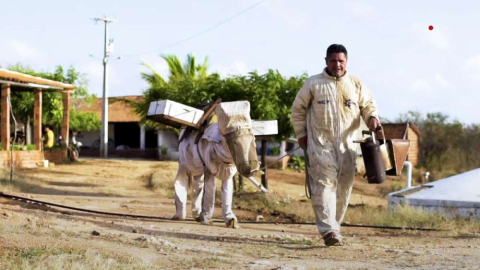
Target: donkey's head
[[235, 126]]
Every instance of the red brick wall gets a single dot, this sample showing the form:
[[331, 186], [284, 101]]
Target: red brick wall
[[55, 155], [26, 159]]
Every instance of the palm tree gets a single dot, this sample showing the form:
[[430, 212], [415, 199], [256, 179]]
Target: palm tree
[[185, 84]]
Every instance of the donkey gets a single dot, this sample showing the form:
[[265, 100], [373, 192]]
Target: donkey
[[227, 145]]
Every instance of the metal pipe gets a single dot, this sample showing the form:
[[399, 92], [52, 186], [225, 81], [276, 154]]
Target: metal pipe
[[257, 184], [409, 174]]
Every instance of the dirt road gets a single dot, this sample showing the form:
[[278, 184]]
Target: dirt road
[[39, 237]]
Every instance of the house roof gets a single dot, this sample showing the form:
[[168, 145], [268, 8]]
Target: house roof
[[117, 111], [16, 80]]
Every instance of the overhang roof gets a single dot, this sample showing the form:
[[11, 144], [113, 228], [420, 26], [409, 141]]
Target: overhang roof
[[17, 79]]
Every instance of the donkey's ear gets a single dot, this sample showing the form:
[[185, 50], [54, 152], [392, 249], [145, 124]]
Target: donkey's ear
[[233, 116]]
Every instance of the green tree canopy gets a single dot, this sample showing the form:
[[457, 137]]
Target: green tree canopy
[[270, 95]]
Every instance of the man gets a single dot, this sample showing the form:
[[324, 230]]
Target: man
[[326, 116], [50, 137]]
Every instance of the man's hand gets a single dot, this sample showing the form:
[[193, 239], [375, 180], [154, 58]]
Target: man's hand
[[303, 142], [374, 124]]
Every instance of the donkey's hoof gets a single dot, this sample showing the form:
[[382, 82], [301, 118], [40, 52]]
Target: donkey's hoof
[[206, 221], [179, 218], [233, 223]]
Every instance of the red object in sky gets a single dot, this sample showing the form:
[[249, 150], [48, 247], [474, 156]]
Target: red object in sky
[[430, 27]]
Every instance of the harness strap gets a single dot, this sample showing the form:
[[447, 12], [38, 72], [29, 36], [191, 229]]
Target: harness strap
[[201, 158]]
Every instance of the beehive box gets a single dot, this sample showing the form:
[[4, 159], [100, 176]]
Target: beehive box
[[265, 127], [173, 113]]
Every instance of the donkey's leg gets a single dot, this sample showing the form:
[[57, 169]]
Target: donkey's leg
[[181, 191], [197, 196], [208, 205], [227, 200]]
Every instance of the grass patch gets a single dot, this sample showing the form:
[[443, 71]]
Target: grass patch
[[43, 257], [276, 205], [162, 182], [407, 216], [284, 209], [202, 263]]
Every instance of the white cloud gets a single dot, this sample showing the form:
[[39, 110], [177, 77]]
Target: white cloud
[[24, 50], [94, 71], [289, 14], [440, 80], [422, 86], [236, 68], [435, 38], [359, 8], [473, 68], [18, 51]]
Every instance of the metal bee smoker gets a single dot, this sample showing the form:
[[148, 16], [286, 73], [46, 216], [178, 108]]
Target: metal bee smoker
[[375, 157]]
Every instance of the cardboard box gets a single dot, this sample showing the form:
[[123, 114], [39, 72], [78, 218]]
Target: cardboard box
[[173, 113], [264, 127]]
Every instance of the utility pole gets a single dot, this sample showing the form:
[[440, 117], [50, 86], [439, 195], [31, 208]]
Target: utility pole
[[104, 130]]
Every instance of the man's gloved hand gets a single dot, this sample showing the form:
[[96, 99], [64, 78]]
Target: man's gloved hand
[[303, 142], [373, 124]]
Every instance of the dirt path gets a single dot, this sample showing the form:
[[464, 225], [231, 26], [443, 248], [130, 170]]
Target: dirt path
[[48, 238]]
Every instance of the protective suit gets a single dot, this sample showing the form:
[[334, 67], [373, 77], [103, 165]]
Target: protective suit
[[328, 110], [205, 161]]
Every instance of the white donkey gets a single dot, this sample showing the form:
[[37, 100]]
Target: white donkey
[[226, 145]]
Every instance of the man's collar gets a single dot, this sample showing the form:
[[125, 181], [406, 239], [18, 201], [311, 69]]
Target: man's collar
[[327, 74]]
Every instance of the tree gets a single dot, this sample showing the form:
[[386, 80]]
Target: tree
[[446, 147], [270, 95], [187, 83]]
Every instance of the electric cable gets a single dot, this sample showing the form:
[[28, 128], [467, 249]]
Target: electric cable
[[199, 33]]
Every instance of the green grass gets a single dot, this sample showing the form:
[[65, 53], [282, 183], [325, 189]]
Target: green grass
[[280, 206], [407, 216], [274, 204]]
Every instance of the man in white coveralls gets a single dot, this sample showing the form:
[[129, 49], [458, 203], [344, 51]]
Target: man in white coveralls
[[326, 116]]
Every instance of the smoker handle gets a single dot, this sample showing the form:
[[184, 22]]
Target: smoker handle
[[372, 134], [380, 128]]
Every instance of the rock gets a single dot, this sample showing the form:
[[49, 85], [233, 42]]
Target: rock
[[136, 231], [95, 233], [259, 218]]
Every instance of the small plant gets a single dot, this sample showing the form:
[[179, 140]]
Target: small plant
[[163, 149], [275, 151], [298, 163]]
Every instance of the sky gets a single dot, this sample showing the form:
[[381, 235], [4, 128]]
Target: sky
[[405, 65]]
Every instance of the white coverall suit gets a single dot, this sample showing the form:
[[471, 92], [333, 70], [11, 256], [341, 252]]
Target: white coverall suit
[[218, 163], [328, 110]]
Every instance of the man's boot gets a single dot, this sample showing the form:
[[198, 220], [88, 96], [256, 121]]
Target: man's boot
[[333, 239]]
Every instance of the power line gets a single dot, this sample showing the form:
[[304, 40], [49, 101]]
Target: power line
[[200, 33]]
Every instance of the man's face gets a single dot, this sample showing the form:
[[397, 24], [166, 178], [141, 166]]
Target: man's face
[[336, 64]]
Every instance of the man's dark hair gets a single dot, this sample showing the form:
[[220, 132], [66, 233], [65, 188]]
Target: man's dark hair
[[336, 48]]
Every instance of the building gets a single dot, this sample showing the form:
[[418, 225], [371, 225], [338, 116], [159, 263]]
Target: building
[[127, 136], [408, 131]]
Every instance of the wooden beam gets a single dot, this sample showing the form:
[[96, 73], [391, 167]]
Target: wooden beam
[[264, 163], [66, 118], [5, 119], [37, 119]]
